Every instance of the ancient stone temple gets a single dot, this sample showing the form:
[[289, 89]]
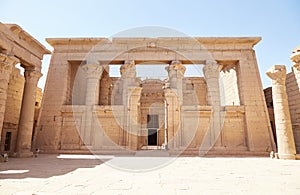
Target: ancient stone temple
[[18, 100], [88, 107]]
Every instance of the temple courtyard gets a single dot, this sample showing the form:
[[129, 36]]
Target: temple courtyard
[[104, 174]]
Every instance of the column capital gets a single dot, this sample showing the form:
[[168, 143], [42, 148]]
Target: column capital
[[277, 74], [32, 75], [128, 70], [175, 67], [7, 62], [295, 58], [211, 69], [92, 70]]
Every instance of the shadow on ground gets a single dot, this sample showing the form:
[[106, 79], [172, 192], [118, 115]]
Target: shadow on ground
[[44, 166]]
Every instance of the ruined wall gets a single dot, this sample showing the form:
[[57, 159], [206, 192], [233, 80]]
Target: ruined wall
[[294, 105], [38, 101], [269, 102], [194, 91], [12, 110]]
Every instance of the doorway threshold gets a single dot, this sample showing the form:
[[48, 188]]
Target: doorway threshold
[[151, 148]]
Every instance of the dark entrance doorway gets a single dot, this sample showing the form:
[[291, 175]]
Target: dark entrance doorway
[[152, 125], [152, 137], [7, 141]]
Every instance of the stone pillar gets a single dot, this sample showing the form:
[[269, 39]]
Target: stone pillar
[[211, 73], [173, 118], [93, 75], [285, 138], [176, 73], [26, 121], [128, 77], [134, 95], [6, 65], [295, 58]]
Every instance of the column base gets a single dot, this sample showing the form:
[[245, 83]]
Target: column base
[[24, 154], [287, 156]]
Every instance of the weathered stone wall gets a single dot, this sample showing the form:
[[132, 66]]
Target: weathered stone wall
[[269, 102], [194, 91], [14, 97], [293, 93], [13, 107]]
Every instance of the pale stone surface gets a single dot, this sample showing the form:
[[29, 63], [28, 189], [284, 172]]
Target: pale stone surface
[[285, 138], [193, 175]]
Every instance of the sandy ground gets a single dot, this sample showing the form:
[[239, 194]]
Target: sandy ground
[[84, 174]]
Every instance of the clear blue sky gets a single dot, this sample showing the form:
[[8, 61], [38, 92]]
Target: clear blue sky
[[276, 21]]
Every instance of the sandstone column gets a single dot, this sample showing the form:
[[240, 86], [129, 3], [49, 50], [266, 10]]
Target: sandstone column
[[174, 98], [211, 73], [93, 75], [134, 95], [173, 118], [128, 77], [23, 145], [176, 73], [285, 138], [6, 65], [296, 65]]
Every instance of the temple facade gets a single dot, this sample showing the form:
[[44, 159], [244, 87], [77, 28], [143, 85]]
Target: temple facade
[[90, 107]]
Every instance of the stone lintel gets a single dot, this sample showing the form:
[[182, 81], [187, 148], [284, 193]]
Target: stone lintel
[[23, 45], [207, 40], [211, 43]]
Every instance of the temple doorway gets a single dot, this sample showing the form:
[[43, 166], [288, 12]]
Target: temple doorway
[[152, 126]]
